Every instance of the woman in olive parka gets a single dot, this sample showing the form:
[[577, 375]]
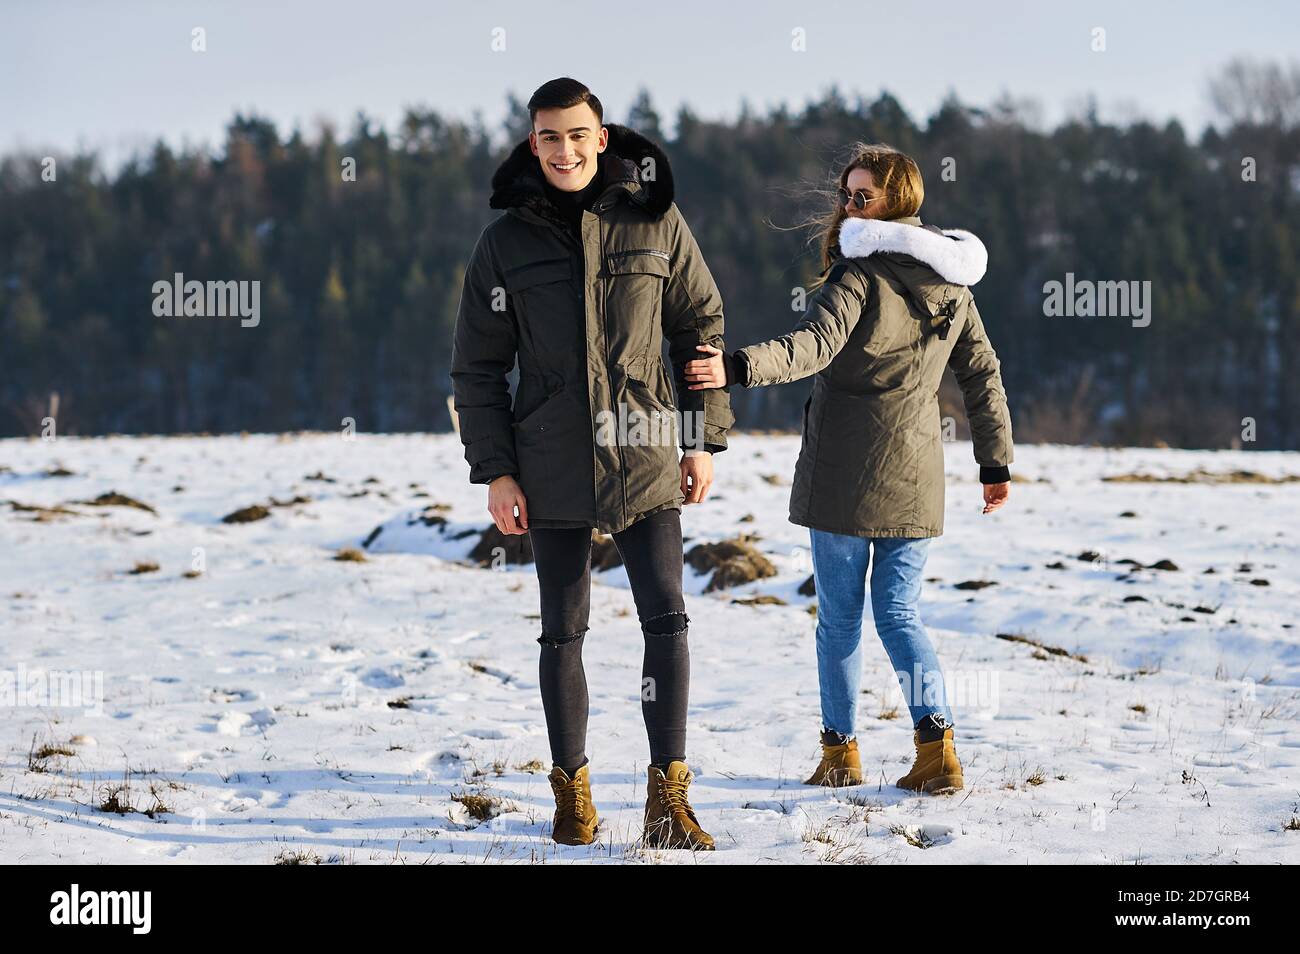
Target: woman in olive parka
[[893, 309]]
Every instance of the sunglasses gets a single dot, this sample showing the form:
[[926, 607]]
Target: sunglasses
[[860, 198]]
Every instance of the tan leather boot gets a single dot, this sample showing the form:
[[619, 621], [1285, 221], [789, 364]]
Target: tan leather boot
[[670, 821], [575, 816], [840, 765], [936, 769]]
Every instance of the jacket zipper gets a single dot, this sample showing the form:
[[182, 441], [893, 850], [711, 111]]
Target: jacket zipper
[[609, 382], [657, 253]]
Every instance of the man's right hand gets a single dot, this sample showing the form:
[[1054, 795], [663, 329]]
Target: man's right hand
[[504, 495]]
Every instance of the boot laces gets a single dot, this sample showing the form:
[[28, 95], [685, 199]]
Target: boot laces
[[673, 794], [569, 797]]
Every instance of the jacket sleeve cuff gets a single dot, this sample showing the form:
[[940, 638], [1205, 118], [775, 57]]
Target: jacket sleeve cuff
[[737, 368], [994, 475], [706, 449]]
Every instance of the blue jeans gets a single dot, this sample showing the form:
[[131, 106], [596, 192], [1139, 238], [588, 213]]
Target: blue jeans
[[840, 568]]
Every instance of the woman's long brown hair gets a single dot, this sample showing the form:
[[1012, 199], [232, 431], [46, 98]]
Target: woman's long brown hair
[[894, 173]]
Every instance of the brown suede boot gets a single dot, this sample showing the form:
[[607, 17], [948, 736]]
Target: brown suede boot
[[670, 821], [936, 770], [840, 766], [575, 816]]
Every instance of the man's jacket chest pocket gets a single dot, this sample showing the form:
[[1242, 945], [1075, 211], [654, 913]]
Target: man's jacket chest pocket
[[634, 289]]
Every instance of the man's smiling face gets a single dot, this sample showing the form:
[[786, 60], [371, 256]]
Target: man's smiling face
[[567, 142]]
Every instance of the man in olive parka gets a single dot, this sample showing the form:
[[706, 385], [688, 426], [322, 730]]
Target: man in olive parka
[[581, 280], [585, 316]]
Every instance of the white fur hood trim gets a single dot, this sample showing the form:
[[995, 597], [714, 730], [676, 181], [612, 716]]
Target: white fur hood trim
[[958, 256]]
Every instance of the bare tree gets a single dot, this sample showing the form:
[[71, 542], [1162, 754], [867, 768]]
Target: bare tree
[[1251, 92]]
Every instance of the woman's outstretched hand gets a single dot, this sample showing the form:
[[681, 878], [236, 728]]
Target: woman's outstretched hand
[[995, 495], [707, 372]]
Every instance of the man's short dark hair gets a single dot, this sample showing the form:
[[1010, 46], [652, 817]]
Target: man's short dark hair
[[561, 94]]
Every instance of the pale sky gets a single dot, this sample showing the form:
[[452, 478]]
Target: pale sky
[[117, 75]]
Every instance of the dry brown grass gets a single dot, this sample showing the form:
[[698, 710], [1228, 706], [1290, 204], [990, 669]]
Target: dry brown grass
[[247, 514], [1200, 476], [733, 562], [1043, 649], [114, 499]]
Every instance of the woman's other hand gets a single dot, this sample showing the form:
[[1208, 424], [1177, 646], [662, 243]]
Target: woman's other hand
[[708, 372], [995, 495]]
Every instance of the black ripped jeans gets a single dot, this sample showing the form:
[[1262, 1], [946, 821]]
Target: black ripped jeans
[[651, 550]]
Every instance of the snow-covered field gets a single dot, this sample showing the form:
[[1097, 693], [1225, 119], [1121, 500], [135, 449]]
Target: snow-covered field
[[280, 704]]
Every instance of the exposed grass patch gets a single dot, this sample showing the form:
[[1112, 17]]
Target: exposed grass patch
[[733, 563], [294, 501], [1042, 648], [39, 755], [117, 800], [114, 499], [1200, 476], [297, 857], [432, 515], [482, 806], [247, 514], [495, 548], [43, 514], [912, 835]]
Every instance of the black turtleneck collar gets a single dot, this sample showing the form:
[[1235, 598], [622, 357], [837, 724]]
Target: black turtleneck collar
[[570, 205]]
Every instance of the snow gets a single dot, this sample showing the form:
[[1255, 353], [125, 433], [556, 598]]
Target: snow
[[249, 708]]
